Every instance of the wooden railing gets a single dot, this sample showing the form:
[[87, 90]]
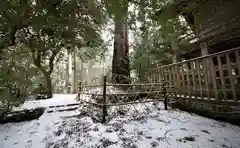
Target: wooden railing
[[212, 77]]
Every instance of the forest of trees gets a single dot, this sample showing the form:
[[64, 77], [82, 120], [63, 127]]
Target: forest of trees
[[36, 35]]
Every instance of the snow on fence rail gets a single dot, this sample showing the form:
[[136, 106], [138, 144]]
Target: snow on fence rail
[[138, 96]]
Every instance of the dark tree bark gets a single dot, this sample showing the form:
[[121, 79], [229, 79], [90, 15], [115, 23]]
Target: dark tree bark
[[176, 53], [74, 77], [120, 63], [48, 84], [46, 73], [67, 71]]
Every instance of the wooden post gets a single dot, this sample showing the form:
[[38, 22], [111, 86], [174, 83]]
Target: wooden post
[[188, 81], [175, 82], [206, 68], [165, 96], [170, 72], [199, 78], [79, 88], [213, 74], [222, 77], [231, 78], [237, 59], [182, 81], [104, 108], [178, 79], [193, 71]]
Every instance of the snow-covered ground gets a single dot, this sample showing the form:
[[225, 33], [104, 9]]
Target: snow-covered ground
[[57, 99], [156, 128]]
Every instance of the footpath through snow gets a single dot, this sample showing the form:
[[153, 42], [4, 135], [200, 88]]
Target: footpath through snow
[[73, 128]]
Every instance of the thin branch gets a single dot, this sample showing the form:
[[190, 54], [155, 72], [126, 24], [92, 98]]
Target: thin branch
[[165, 135]]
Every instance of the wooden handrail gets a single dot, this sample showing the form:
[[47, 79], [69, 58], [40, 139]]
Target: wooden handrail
[[199, 58]]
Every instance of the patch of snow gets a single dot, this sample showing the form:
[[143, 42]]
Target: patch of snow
[[152, 127], [99, 90], [57, 99]]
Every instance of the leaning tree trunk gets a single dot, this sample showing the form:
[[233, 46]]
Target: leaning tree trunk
[[120, 63]]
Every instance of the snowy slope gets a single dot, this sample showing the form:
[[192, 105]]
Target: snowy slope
[[71, 129]]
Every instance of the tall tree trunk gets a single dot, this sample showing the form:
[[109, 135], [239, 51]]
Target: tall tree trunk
[[81, 71], [46, 74], [144, 38], [67, 72], [176, 57], [72, 27], [48, 84], [120, 63], [74, 79]]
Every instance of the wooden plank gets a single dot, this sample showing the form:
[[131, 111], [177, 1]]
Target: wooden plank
[[183, 80], [199, 77], [213, 74], [174, 80], [155, 76], [170, 75], [153, 80], [159, 78], [178, 78], [165, 76], [188, 80], [203, 57], [169, 79], [147, 76], [231, 77], [222, 78], [206, 76], [162, 76], [193, 77], [238, 61], [151, 76]]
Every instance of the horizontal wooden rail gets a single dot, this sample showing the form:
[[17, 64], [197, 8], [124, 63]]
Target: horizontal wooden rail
[[198, 58], [123, 93], [211, 76], [134, 102], [132, 84]]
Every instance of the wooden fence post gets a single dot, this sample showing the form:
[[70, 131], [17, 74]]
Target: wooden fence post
[[79, 88], [104, 108], [165, 96]]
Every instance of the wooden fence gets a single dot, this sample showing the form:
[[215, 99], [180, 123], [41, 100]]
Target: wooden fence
[[214, 77]]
